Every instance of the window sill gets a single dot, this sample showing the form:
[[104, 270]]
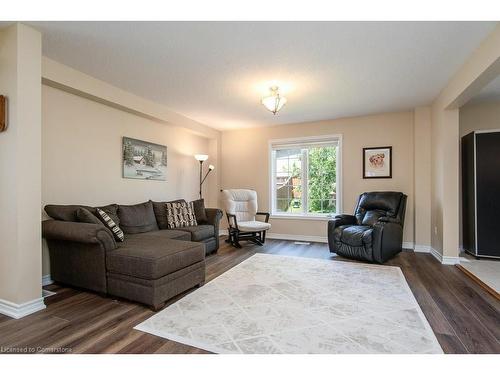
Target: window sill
[[302, 217]]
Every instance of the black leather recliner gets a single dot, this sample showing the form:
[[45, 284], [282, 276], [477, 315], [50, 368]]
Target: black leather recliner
[[375, 232]]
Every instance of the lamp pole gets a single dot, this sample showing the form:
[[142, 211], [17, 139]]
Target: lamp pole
[[201, 172], [201, 158]]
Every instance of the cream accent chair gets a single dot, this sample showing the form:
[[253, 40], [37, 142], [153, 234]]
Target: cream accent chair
[[241, 208]]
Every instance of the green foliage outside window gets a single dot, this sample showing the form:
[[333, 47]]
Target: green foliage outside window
[[321, 179], [322, 176]]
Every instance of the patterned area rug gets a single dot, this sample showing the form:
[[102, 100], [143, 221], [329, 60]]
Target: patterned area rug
[[283, 304]]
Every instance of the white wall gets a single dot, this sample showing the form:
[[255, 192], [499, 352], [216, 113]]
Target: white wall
[[480, 68], [245, 163], [422, 179], [82, 151], [479, 116], [20, 170]]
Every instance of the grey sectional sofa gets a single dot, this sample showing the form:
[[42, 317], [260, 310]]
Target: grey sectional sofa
[[152, 264]]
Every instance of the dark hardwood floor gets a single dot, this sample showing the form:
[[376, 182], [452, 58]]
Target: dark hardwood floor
[[463, 316]]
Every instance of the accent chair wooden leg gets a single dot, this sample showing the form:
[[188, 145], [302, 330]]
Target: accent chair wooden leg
[[236, 241], [229, 238]]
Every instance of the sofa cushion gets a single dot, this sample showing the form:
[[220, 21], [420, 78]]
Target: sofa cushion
[[68, 212], [137, 218], [160, 235], [63, 212], [180, 214], [85, 216], [199, 211], [253, 226], [160, 210], [147, 258], [199, 232]]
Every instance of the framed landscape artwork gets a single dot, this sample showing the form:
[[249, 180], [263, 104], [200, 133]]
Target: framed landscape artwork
[[377, 162], [143, 160]]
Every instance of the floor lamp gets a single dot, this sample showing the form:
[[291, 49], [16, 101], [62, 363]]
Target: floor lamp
[[201, 158]]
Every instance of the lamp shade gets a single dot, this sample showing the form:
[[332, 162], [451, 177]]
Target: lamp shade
[[201, 157], [274, 102], [211, 167]]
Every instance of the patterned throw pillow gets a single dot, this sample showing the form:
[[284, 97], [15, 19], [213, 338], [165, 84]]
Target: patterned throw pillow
[[180, 214], [118, 233]]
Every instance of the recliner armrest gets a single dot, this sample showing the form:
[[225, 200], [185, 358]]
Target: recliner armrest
[[78, 232], [344, 219], [337, 222], [387, 240], [387, 219]]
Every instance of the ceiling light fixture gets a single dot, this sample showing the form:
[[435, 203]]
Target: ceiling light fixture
[[274, 102]]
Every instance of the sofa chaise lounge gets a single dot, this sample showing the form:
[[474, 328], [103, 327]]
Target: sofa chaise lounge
[[151, 265]]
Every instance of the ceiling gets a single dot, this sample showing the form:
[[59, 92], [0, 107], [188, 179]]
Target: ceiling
[[216, 72], [491, 92]]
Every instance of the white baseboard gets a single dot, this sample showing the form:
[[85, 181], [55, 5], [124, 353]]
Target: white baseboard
[[422, 248], [46, 280], [18, 311], [446, 260], [450, 261], [288, 237], [406, 245], [297, 237], [436, 254]]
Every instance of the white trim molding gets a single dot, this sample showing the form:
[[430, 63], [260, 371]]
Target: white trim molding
[[408, 245], [287, 237], [301, 142], [297, 237], [18, 311], [47, 280], [447, 260], [300, 217], [422, 248]]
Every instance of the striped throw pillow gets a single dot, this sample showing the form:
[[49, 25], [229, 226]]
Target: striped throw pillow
[[117, 232], [180, 214]]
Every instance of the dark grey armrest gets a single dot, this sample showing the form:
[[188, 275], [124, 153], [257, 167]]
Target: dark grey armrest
[[78, 232], [214, 215], [387, 219]]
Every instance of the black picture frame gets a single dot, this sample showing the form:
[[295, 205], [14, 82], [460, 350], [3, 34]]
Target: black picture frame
[[385, 150]]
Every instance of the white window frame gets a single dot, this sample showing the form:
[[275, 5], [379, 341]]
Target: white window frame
[[272, 181]]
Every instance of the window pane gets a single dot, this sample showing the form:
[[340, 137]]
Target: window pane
[[322, 177], [288, 182]]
